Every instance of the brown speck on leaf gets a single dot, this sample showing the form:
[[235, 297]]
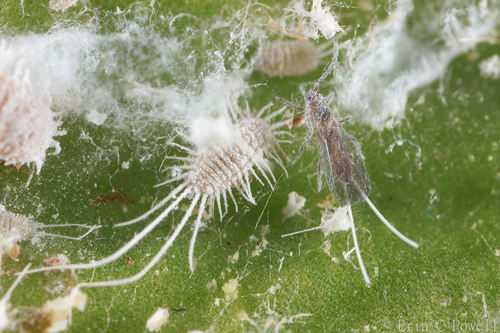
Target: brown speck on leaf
[[59, 260], [130, 261], [119, 197], [14, 251]]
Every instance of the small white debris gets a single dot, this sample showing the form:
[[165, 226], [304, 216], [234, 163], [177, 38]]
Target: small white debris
[[217, 302], [294, 204], [61, 4], [490, 67], [157, 320], [230, 289], [327, 247], [261, 247], [324, 20], [330, 223], [212, 284], [57, 311], [126, 165], [319, 19], [234, 258], [242, 315], [96, 117], [4, 318], [338, 221], [445, 301], [253, 239]]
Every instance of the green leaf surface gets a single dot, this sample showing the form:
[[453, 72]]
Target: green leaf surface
[[452, 279]]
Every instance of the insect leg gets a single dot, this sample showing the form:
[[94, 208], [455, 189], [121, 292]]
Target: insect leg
[[320, 180], [329, 98], [309, 137], [346, 119], [328, 70], [284, 101]]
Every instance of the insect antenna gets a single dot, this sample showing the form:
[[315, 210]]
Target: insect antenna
[[329, 69]]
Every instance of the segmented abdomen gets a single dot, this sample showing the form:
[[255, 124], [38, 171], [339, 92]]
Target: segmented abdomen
[[288, 58], [219, 169]]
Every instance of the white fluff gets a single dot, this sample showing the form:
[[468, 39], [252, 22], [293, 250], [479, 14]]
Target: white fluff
[[294, 205], [490, 67], [27, 124], [96, 117], [338, 221], [209, 132], [381, 68], [318, 19]]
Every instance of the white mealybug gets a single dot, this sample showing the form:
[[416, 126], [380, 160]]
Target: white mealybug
[[27, 125], [210, 175], [16, 227], [289, 58]]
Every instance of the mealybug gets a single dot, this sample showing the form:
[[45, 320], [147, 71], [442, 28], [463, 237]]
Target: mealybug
[[288, 58], [27, 125], [210, 174]]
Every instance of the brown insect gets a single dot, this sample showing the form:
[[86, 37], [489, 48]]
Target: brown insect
[[341, 159]]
